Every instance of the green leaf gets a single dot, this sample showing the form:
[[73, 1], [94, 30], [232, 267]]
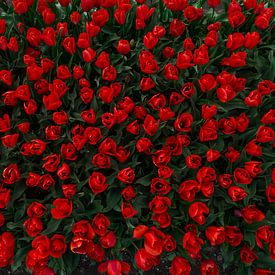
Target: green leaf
[[71, 261], [19, 189], [19, 257], [146, 180], [113, 197], [52, 226]]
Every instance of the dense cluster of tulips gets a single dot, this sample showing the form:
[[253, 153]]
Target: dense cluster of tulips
[[139, 128]]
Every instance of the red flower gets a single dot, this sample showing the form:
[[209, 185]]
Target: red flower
[[33, 226], [207, 82], [209, 266], [63, 72], [83, 229], [169, 243], [176, 5], [228, 125], [101, 161], [264, 234], [269, 117], [127, 210], [51, 162], [23, 92], [233, 155], [144, 260], [193, 161], [68, 151], [24, 127], [69, 190], [97, 182], [263, 19], [36, 210], [236, 18], [201, 55], [126, 175], [188, 189], [45, 181], [252, 214], [212, 155], [34, 36], [41, 245], [100, 224], [89, 55], [168, 52], [96, 252], [233, 235], [213, 3], [109, 73], [206, 174], [177, 28], [2, 219], [100, 17], [159, 204], [63, 172], [236, 193], [248, 255], [188, 90], [123, 47], [6, 77], [4, 123], [52, 101], [215, 235], [9, 141], [188, 44], [252, 40], [7, 245], [146, 84], [62, 208], [69, 45], [211, 39], [163, 219], [144, 145], [108, 240], [191, 13], [180, 266], [30, 107], [271, 249], [171, 72], [183, 122], [75, 17], [270, 192], [150, 40], [150, 125], [197, 210], [11, 174], [242, 176], [48, 16], [208, 111], [128, 193], [250, 4], [114, 267], [235, 41], [2, 26], [57, 245], [184, 60], [147, 63], [236, 60], [265, 134], [49, 38], [192, 243]]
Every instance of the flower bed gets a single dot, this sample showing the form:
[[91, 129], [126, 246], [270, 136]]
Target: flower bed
[[138, 127]]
